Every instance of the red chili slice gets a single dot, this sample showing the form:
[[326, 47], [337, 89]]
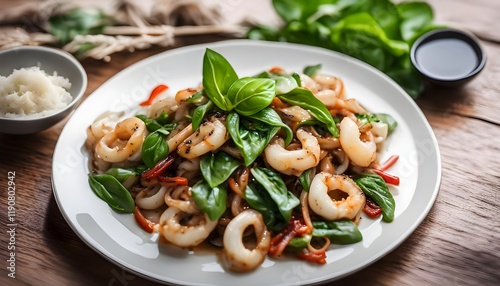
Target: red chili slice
[[387, 164], [388, 178], [315, 257], [156, 91], [179, 181], [279, 242], [158, 168], [143, 222], [371, 208]]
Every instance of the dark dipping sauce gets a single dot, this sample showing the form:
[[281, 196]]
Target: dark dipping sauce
[[447, 57]]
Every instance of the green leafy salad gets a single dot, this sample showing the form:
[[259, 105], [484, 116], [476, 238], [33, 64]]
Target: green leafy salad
[[272, 164]]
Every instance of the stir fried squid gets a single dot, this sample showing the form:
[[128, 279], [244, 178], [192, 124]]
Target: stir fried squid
[[274, 164]]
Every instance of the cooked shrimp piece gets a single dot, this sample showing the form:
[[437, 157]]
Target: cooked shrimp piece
[[332, 83], [293, 162], [296, 113], [208, 137], [123, 142], [236, 256], [360, 152], [184, 94], [329, 208], [309, 83], [194, 229]]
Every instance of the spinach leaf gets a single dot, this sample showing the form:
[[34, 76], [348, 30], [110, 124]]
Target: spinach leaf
[[211, 201], [110, 190], [311, 70], [199, 114], [249, 140], [375, 187], [154, 148], [249, 95], [216, 168], [304, 98], [218, 76], [339, 231], [259, 199], [270, 117], [274, 185]]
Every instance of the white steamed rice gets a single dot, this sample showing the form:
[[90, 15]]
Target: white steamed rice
[[30, 92]]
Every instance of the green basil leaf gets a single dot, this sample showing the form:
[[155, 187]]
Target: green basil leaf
[[199, 114], [300, 242], [375, 187], [271, 117], [274, 185], [304, 98], [389, 120], [218, 76], [339, 231], [306, 178], [366, 118], [154, 149], [110, 190], [195, 97], [121, 174], [283, 82], [216, 168], [249, 95], [161, 122], [296, 77], [312, 70], [259, 199], [250, 141], [211, 201]]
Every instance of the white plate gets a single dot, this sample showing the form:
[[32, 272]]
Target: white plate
[[117, 236]]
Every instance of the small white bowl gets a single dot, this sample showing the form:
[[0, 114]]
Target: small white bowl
[[49, 60]]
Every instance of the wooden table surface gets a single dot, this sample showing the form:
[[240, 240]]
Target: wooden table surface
[[458, 243]]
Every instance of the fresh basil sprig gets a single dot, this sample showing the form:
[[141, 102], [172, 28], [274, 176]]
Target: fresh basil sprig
[[110, 190], [339, 231], [250, 141], [274, 185], [216, 168], [249, 95], [304, 98], [375, 187], [199, 113], [122, 174], [154, 148], [311, 70], [271, 117], [218, 76], [211, 201], [260, 200]]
